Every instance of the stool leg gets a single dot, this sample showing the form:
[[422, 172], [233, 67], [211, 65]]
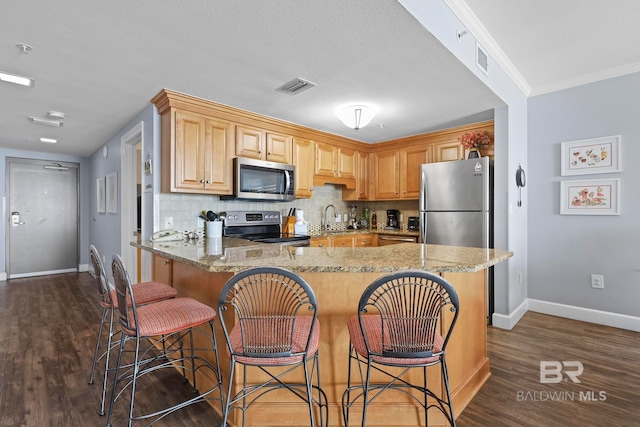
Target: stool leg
[[123, 339], [106, 362], [95, 353]]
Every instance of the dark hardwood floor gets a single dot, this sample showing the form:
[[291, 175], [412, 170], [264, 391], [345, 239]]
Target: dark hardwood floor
[[47, 334]]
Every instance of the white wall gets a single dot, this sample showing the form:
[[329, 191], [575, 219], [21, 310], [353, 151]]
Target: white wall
[[564, 250]]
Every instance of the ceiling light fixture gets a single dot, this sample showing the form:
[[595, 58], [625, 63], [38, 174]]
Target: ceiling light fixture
[[40, 120], [16, 79], [58, 115], [49, 140], [25, 48], [356, 116]]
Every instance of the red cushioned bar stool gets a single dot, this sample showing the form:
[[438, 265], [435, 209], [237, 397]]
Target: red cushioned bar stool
[[145, 293], [175, 333]]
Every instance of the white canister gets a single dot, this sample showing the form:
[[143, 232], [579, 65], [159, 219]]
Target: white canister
[[213, 229]]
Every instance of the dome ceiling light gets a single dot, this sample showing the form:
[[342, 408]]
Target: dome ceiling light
[[356, 116]]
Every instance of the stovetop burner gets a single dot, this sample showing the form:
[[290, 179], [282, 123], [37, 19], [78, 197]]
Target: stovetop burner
[[259, 226]]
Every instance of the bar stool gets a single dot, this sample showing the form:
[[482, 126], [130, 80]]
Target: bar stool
[[161, 331], [400, 325], [145, 293], [268, 316]]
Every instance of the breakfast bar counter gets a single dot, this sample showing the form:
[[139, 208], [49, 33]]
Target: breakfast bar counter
[[338, 276]]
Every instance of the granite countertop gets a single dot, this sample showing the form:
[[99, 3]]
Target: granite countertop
[[233, 255]]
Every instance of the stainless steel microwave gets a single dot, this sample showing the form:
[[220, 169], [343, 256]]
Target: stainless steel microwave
[[262, 180]]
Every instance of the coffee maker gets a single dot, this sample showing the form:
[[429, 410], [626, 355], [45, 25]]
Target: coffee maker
[[393, 219]]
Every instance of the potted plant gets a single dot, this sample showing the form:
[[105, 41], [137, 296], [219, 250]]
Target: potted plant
[[475, 140]]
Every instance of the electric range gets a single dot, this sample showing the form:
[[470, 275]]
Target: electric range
[[259, 226]]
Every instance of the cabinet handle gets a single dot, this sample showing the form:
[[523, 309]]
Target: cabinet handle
[[208, 182], [343, 243], [268, 153], [166, 262], [202, 181]]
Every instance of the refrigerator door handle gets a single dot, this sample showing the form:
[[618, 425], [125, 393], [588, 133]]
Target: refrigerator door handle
[[423, 190], [423, 227]]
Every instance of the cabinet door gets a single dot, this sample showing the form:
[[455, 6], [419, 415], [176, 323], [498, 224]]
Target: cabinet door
[[250, 142], [362, 240], [447, 151], [384, 170], [320, 242], [161, 269], [303, 161], [346, 163], [410, 161], [362, 178], [189, 162], [326, 163], [278, 148], [218, 160], [342, 241]]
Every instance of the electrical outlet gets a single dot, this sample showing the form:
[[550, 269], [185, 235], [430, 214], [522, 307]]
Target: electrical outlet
[[597, 281], [338, 218], [168, 223]]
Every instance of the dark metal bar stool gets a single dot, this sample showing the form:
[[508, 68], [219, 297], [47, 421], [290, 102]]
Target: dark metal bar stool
[[145, 293], [164, 334], [268, 316], [401, 324]]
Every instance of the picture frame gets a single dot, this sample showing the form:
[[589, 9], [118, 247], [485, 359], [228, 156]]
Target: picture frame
[[112, 192], [591, 156], [100, 195], [590, 197]]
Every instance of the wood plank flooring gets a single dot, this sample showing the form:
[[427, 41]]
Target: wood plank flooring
[[47, 333]]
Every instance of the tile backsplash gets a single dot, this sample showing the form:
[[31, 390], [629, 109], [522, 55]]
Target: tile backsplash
[[185, 208]]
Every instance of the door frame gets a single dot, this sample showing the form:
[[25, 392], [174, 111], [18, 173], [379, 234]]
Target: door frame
[[128, 218]]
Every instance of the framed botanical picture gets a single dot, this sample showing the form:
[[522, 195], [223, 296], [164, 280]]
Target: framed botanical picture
[[112, 192], [589, 156], [100, 193], [590, 197]]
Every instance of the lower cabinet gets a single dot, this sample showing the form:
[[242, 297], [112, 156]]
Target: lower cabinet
[[345, 240]]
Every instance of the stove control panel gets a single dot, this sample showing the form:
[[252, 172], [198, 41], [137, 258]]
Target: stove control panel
[[244, 218]]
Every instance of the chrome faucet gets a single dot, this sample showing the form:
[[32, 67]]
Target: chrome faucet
[[325, 224]]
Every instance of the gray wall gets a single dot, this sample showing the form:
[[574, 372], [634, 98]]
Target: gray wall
[[104, 228], [564, 250]]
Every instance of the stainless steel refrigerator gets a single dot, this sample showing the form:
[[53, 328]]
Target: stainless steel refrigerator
[[456, 206]]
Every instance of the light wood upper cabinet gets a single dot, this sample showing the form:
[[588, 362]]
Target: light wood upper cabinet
[[303, 161], [255, 143], [385, 175], [410, 161], [396, 174], [198, 155], [326, 163], [361, 192], [346, 163], [447, 151]]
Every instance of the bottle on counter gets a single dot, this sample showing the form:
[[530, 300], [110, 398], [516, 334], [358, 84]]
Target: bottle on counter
[[374, 221]]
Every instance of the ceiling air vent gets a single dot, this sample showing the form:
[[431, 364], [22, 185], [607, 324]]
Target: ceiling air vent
[[295, 86], [482, 59]]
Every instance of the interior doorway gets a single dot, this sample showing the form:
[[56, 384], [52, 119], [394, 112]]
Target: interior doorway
[[42, 234], [131, 191]]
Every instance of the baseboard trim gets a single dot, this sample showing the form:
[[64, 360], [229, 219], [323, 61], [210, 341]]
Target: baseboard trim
[[3, 276], [508, 321], [599, 317]]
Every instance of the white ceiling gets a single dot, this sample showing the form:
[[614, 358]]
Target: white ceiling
[[100, 62]]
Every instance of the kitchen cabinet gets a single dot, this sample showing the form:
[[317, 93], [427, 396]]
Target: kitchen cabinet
[[303, 161], [255, 143], [161, 269], [448, 151], [396, 173], [196, 153], [361, 192], [344, 240], [321, 242], [334, 165]]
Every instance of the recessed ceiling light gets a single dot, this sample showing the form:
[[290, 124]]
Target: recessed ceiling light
[[49, 140], [56, 115], [40, 120], [16, 79]]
